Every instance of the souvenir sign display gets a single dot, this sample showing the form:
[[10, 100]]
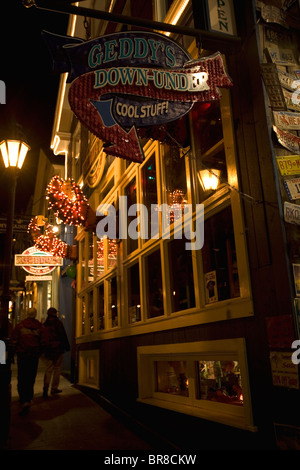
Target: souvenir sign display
[[288, 140], [287, 120], [289, 165], [292, 187], [280, 56], [273, 86], [133, 79], [284, 372], [291, 213]]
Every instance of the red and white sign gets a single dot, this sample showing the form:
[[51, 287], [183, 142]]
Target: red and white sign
[[37, 262]]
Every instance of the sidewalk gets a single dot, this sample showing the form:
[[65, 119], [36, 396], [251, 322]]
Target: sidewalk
[[68, 421]]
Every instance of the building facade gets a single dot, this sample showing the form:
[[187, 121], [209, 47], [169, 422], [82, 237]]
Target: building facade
[[194, 343]]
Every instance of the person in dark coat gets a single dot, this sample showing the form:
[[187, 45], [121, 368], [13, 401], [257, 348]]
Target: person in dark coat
[[56, 343], [26, 342]]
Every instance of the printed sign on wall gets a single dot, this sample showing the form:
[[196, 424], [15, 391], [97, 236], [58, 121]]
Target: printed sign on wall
[[133, 79]]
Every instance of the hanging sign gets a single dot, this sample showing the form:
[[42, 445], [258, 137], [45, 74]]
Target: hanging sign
[[221, 16], [292, 187], [37, 262], [133, 79], [287, 120], [288, 140]]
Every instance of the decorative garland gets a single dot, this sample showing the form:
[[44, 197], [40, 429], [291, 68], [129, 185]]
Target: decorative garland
[[67, 201]]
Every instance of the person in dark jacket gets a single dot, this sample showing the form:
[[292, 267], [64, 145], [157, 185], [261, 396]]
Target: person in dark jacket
[[26, 342], [56, 343]]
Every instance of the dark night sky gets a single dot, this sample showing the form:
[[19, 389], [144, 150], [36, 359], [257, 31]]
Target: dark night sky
[[31, 88]]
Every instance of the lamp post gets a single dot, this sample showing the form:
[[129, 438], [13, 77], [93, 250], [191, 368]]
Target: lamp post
[[13, 153]]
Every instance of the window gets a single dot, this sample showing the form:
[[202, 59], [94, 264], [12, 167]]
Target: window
[[113, 302], [207, 379], [155, 305], [219, 258], [100, 307], [131, 193], [91, 310], [133, 289], [181, 276], [149, 190]]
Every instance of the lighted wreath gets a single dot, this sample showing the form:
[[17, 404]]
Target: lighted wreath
[[67, 201]]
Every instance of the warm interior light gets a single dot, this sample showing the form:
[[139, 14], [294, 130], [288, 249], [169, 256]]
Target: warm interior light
[[209, 179], [13, 152]]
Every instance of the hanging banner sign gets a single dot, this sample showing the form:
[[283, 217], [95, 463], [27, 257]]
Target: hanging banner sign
[[287, 120], [292, 187], [133, 79], [288, 140], [289, 165], [291, 213], [37, 262]]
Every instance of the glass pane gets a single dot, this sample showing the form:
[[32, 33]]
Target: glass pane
[[91, 311], [175, 175], [82, 248], [100, 307], [100, 257], [112, 253], [149, 190], [219, 258], [172, 377], [113, 302], [181, 276], [211, 164], [83, 314], [154, 285], [91, 257], [134, 303], [220, 381], [130, 192]]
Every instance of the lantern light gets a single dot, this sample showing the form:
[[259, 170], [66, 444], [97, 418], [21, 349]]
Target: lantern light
[[14, 152], [209, 179]]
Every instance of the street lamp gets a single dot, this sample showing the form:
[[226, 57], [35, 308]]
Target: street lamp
[[13, 153]]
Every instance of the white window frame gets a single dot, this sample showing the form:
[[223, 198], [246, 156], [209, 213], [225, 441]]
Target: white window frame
[[227, 349]]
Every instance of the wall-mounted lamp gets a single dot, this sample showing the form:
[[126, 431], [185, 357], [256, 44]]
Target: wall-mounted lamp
[[209, 179]]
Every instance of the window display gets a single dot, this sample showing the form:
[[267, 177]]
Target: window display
[[220, 381], [171, 377], [113, 302]]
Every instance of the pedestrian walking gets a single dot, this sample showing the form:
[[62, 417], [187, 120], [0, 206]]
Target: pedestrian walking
[[56, 344], [26, 343]]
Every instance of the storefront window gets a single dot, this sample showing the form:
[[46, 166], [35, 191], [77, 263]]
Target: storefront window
[[91, 257], [100, 307], [211, 162], [112, 254], [219, 258], [172, 377], [100, 257], [113, 302], [154, 285], [82, 250], [91, 311], [133, 288], [149, 190], [131, 193], [220, 381], [181, 276], [83, 315], [175, 176]]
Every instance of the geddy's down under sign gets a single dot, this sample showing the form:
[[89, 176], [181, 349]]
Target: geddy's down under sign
[[126, 81]]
